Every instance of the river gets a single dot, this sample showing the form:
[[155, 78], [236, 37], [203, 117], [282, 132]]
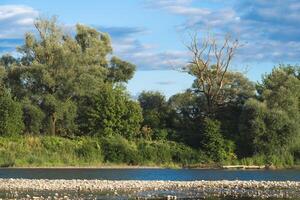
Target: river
[[148, 175], [151, 174]]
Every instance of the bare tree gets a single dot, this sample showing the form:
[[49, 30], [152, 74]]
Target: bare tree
[[210, 61]]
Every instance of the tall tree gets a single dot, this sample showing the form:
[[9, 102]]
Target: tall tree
[[57, 69], [210, 63], [271, 123]]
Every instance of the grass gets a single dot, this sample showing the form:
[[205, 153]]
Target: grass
[[51, 151], [114, 151]]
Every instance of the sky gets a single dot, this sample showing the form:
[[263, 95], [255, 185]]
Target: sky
[[152, 33]]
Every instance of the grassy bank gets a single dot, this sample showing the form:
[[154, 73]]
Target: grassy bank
[[50, 151], [114, 151]]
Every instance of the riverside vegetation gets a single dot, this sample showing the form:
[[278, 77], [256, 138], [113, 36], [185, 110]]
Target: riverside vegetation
[[63, 102]]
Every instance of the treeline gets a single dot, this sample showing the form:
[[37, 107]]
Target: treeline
[[256, 124], [65, 95]]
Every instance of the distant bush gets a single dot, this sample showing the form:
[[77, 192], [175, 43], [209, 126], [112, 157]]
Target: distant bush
[[164, 152], [117, 149], [89, 150], [7, 158]]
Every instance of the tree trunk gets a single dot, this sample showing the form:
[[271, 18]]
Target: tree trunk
[[209, 101], [53, 124]]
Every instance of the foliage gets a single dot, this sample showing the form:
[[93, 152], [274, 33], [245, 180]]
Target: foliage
[[117, 149], [81, 151], [57, 69], [10, 114], [72, 86], [33, 117], [184, 117], [271, 124], [109, 111], [212, 141], [154, 107]]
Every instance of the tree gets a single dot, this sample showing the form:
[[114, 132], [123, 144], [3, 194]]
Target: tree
[[209, 64], [155, 109], [184, 116], [235, 93], [155, 114], [33, 117], [3, 75], [212, 141], [120, 71], [109, 111], [56, 70], [271, 123], [8, 60], [10, 114]]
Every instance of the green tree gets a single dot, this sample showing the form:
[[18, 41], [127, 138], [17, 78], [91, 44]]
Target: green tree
[[3, 75], [109, 111], [235, 93], [10, 114], [33, 117], [155, 113], [184, 117], [56, 70], [8, 60], [271, 123], [120, 71], [212, 141]]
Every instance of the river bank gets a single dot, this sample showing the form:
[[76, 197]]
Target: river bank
[[116, 152], [136, 188], [166, 166]]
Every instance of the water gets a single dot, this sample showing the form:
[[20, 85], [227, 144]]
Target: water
[[140, 174], [152, 174]]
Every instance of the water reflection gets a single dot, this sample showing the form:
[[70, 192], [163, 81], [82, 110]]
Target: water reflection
[[152, 174]]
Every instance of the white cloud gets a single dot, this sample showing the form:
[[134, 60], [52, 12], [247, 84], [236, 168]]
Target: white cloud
[[15, 20], [268, 30]]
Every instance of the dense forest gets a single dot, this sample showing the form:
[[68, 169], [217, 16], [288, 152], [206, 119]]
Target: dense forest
[[64, 102]]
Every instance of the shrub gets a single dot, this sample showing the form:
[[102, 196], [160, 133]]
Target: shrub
[[117, 149], [160, 134], [7, 158], [212, 141], [89, 150]]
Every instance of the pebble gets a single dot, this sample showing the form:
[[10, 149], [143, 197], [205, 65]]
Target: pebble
[[262, 189]]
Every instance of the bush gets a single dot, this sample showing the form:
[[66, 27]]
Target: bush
[[158, 152], [7, 158], [212, 141], [147, 152], [89, 150], [109, 111], [160, 134], [117, 149]]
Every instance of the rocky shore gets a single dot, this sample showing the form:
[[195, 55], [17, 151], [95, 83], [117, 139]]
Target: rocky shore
[[66, 189]]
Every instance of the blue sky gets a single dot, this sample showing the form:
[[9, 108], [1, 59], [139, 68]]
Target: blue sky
[[151, 33]]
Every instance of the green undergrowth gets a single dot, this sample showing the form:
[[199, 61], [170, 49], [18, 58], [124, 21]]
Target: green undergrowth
[[54, 151], [51, 151]]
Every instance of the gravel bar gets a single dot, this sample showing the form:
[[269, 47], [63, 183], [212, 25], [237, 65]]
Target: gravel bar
[[138, 188]]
